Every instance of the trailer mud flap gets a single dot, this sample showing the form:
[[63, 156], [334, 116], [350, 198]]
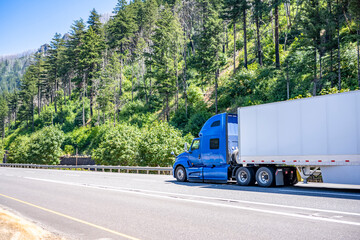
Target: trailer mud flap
[[279, 177]]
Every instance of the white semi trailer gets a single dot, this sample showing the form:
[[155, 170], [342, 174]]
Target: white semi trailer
[[313, 133]]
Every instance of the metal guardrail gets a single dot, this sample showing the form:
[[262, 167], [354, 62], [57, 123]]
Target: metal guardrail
[[127, 169]]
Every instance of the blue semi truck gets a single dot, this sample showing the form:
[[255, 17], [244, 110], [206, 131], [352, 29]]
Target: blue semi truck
[[266, 144], [212, 158]]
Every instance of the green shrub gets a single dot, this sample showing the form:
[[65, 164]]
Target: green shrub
[[19, 150], [69, 150], [157, 142], [44, 146], [118, 146]]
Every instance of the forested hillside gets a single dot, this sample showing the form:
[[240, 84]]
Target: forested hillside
[[131, 90], [11, 71]]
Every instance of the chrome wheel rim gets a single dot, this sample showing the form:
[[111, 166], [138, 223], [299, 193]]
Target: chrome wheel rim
[[180, 173], [264, 177], [243, 176]]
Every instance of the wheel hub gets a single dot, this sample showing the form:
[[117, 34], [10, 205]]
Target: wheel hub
[[264, 177], [243, 176], [180, 174]]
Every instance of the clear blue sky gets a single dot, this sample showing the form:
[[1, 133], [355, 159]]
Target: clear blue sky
[[27, 24]]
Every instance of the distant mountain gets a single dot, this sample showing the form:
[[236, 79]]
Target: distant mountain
[[13, 67]]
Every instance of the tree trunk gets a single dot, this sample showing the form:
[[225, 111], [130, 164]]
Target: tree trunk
[[69, 88], [258, 40], [120, 82], [287, 81], [315, 74], [226, 46], [145, 90], [83, 101], [83, 110], [132, 83], [115, 105], [177, 87], [331, 68], [216, 88], [185, 86], [98, 117], [234, 47], [39, 98], [277, 55], [55, 100], [320, 70], [245, 39], [91, 102], [338, 42], [288, 11], [358, 54], [64, 93], [32, 114], [167, 108], [150, 90], [3, 129]]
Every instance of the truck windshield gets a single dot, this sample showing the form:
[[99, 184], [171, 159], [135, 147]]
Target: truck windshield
[[195, 145]]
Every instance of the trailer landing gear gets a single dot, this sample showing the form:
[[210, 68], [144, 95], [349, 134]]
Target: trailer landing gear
[[306, 172]]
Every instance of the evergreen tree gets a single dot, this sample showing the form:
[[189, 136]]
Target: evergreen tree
[[122, 29], [234, 10], [354, 7], [91, 50], [3, 114], [28, 91], [312, 23], [209, 50], [72, 53], [57, 48], [165, 55]]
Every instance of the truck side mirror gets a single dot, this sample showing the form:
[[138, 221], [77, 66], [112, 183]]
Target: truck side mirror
[[185, 147]]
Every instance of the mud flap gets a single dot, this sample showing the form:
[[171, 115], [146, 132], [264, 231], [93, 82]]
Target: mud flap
[[279, 177]]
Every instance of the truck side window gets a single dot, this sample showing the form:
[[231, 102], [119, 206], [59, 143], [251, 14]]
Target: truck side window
[[214, 143], [195, 145], [216, 123]]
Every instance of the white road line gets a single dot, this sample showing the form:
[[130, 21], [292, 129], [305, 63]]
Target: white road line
[[156, 194], [323, 193]]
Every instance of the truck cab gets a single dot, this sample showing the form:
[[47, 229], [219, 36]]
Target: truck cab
[[208, 158]]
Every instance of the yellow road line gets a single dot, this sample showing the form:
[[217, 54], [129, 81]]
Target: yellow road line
[[72, 218]]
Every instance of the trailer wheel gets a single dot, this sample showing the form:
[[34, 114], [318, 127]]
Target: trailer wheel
[[245, 176], [265, 176], [180, 174]]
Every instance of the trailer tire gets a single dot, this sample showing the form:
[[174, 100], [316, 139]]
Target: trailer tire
[[180, 174], [245, 176], [265, 176]]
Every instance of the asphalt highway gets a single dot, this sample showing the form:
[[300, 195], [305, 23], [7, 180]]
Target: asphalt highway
[[96, 205]]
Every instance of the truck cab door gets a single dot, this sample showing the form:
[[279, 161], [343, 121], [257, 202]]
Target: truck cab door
[[214, 148], [194, 171], [215, 167]]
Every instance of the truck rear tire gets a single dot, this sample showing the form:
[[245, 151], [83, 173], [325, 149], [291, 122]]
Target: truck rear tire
[[265, 176], [245, 176], [180, 174]]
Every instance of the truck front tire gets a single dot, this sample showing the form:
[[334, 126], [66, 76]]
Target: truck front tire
[[265, 176], [180, 174], [245, 176]]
